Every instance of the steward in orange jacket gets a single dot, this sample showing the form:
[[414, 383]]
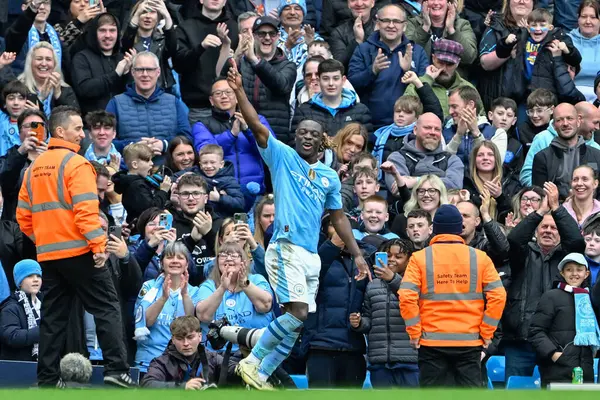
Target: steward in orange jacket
[[450, 296], [58, 204]]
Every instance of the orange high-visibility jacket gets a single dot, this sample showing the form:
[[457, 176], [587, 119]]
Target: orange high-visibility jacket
[[58, 204], [443, 291]]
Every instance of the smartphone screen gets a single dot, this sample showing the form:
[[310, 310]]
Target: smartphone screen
[[381, 258], [240, 218]]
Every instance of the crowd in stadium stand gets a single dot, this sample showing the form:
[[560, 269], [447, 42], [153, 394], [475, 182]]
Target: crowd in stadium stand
[[138, 206]]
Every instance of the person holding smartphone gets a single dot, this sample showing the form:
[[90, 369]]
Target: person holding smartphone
[[393, 363]]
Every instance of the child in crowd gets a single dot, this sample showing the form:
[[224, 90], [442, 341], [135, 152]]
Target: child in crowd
[[20, 315], [591, 234], [319, 48], [419, 227], [374, 216], [365, 186], [224, 192], [540, 106], [362, 159], [140, 191], [14, 95], [392, 360], [564, 331], [407, 110], [102, 132]]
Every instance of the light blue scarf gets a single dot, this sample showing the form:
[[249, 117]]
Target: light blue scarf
[[91, 156], [34, 38], [586, 326], [142, 332], [383, 134]]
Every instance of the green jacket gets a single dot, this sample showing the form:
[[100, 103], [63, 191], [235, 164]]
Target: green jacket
[[463, 34], [440, 91]]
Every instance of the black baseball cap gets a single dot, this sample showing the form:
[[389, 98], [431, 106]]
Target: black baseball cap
[[260, 21]]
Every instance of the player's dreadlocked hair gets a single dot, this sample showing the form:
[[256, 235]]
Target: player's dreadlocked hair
[[326, 143]]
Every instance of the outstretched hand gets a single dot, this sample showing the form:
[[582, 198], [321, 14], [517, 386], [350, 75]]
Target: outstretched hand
[[234, 79]]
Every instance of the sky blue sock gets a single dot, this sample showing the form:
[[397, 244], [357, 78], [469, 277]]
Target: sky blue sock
[[270, 363], [276, 331]]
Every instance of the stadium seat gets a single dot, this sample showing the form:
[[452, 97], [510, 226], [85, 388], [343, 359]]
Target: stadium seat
[[523, 382], [301, 381], [495, 368], [15, 374], [490, 384]]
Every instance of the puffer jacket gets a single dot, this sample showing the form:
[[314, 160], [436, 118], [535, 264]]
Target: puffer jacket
[[382, 323], [509, 79], [336, 12], [339, 295], [348, 111], [269, 85], [590, 57], [533, 272], [551, 72], [240, 150], [94, 78], [553, 330], [380, 92], [138, 194], [463, 34], [161, 116], [16, 339], [342, 42]]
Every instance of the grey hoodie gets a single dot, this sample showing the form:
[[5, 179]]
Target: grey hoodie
[[570, 161], [427, 163]]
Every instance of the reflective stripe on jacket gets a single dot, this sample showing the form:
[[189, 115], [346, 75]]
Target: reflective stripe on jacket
[[58, 204], [451, 294]]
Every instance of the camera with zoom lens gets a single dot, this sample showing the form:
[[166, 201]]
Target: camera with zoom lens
[[213, 336]]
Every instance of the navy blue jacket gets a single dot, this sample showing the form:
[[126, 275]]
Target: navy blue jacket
[[225, 180], [380, 92], [339, 295], [161, 116], [16, 340], [464, 150]]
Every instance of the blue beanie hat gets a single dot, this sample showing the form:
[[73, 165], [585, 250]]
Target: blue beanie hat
[[285, 3], [447, 219], [24, 268]]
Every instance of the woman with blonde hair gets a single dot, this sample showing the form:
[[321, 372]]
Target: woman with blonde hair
[[428, 195], [43, 77], [264, 215], [485, 175], [232, 291], [348, 142]]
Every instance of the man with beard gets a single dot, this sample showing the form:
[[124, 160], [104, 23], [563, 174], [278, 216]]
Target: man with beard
[[442, 75], [265, 65], [194, 224], [423, 154], [566, 151]]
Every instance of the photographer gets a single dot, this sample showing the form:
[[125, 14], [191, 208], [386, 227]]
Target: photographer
[[185, 363]]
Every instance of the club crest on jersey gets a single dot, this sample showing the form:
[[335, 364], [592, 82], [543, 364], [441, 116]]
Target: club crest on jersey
[[312, 174], [325, 182]]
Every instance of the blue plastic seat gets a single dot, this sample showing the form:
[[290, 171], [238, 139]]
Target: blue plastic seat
[[523, 383], [496, 366], [490, 384], [301, 381], [367, 383]]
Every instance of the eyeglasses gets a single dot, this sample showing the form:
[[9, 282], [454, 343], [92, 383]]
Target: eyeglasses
[[390, 21], [187, 195], [219, 93], [141, 70], [533, 200], [430, 191], [233, 256], [533, 111], [33, 125], [263, 34]]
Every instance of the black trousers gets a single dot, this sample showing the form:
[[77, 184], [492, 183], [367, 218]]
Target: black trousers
[[64, 281], [450, 366], [341, 369]]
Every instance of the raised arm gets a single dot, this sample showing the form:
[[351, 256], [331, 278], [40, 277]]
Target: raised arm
[[261, 132]]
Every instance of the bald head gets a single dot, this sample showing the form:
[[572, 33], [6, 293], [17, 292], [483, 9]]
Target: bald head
[[428, 131], [566, 121], [590, 119]]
